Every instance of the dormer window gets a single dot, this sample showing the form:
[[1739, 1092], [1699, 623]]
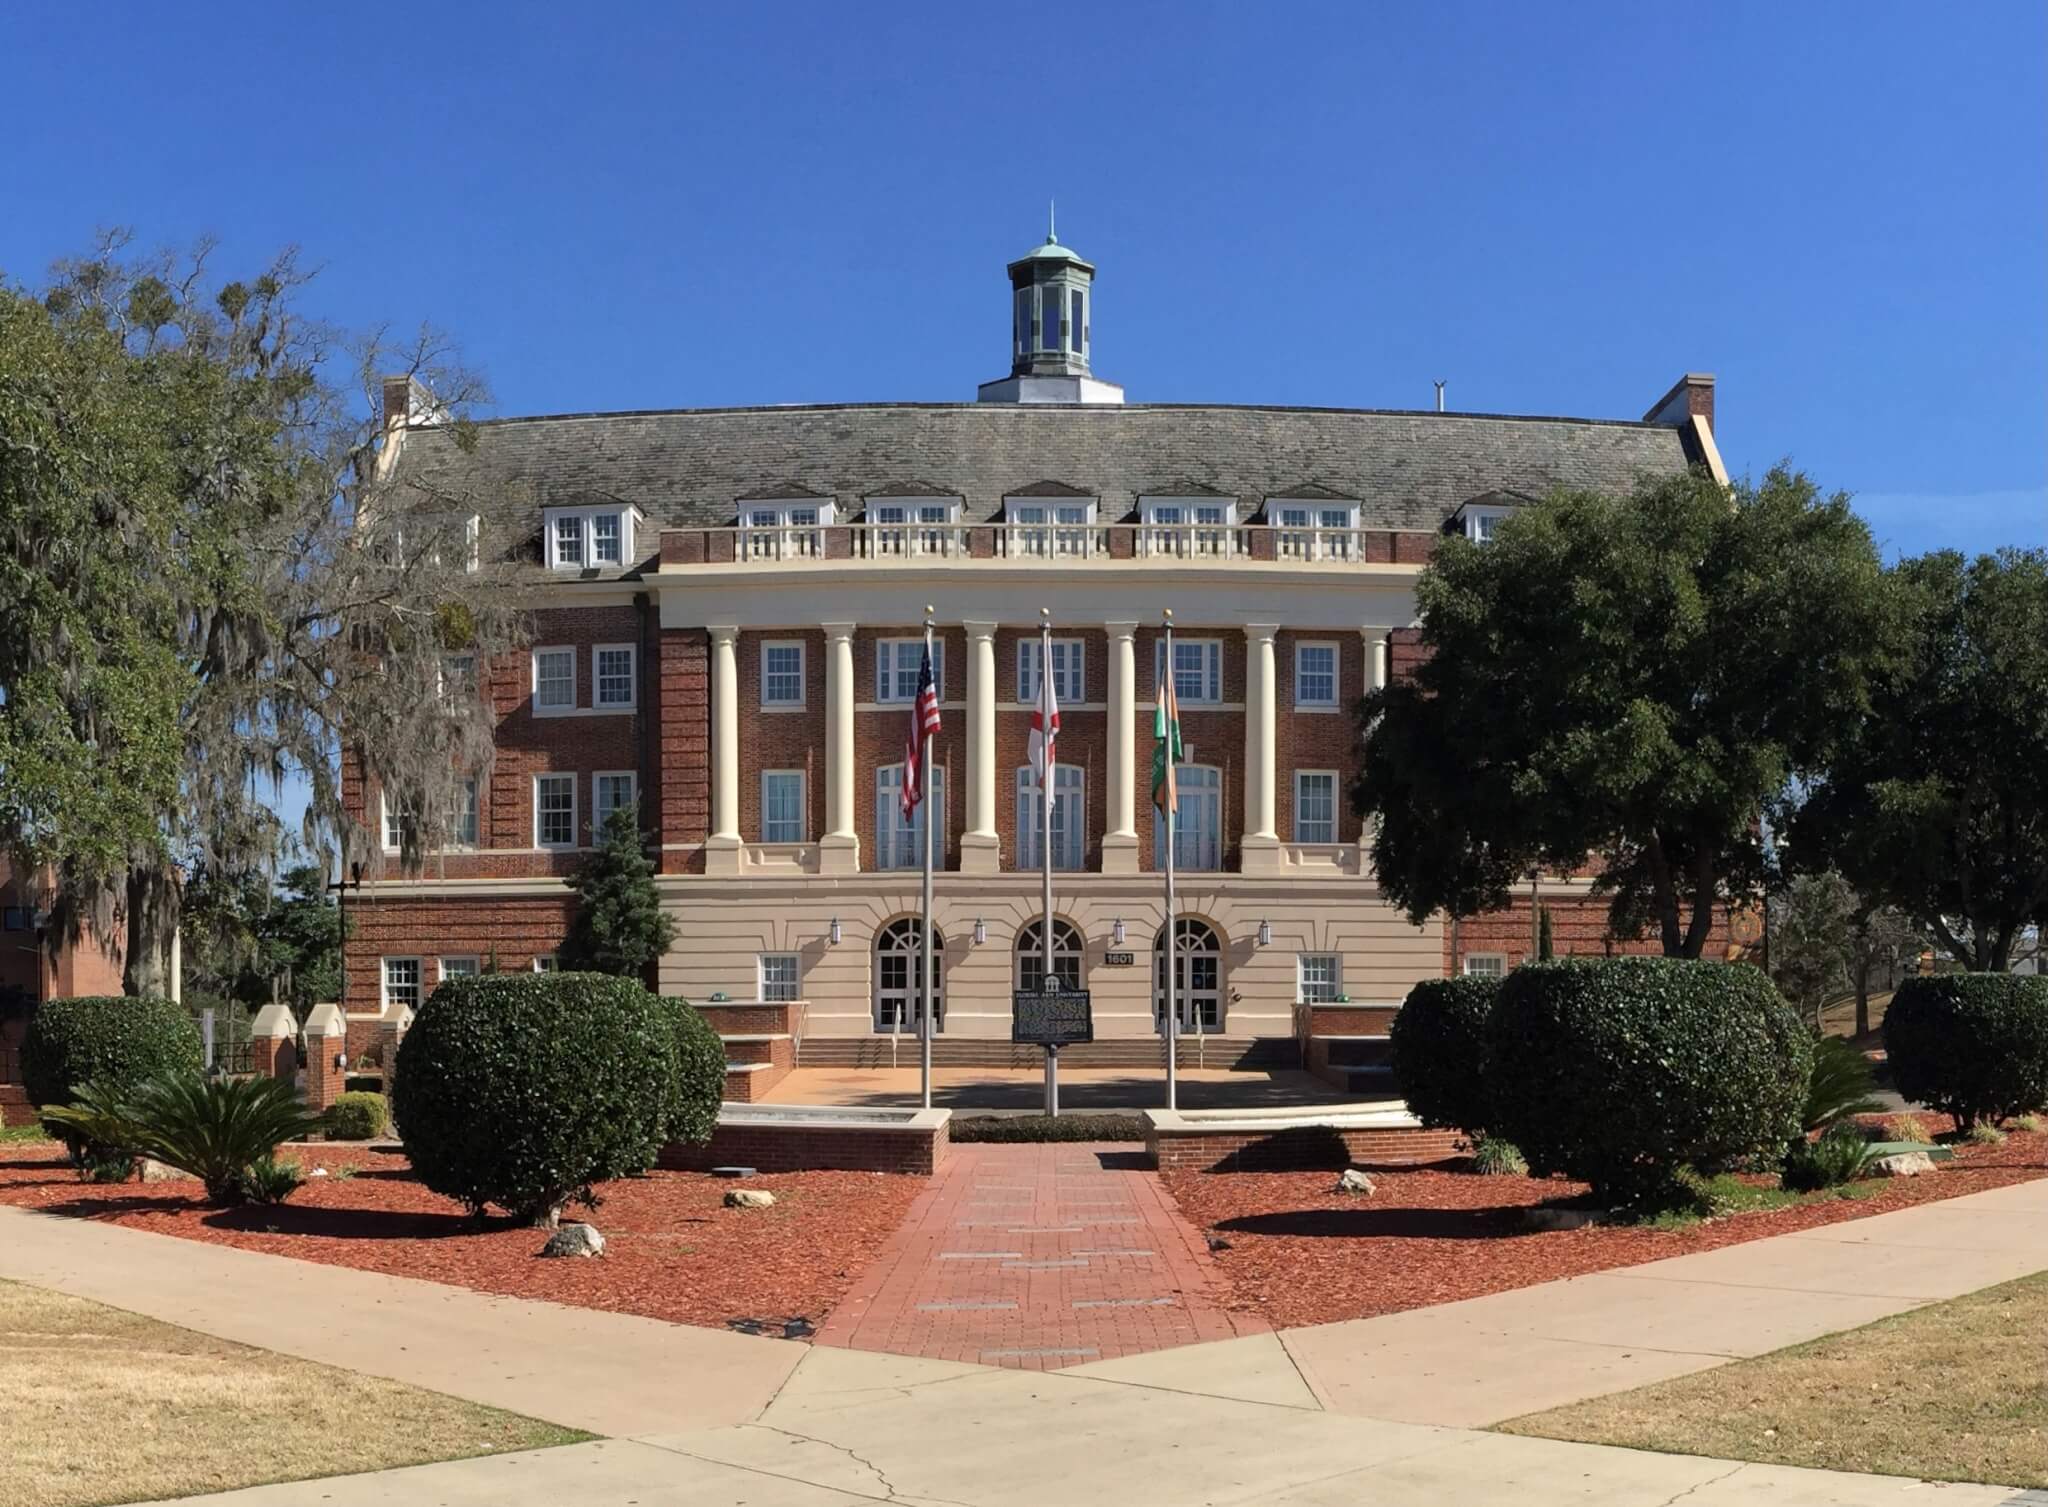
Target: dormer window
[[1051, 525], [1480, 523], [1187, 525], [579, 538], [1313, 530], [785, 530], [914, 526]]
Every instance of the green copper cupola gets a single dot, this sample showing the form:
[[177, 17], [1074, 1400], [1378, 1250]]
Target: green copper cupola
[[1052, 306]]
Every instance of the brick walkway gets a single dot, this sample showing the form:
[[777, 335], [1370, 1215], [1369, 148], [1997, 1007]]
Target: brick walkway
[[1038, 1257]]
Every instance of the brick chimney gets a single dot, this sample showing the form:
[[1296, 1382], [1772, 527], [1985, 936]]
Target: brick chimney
[[405, 400], [1691, 397]]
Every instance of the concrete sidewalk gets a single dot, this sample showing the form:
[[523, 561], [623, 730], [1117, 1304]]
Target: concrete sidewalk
[[1314, 1417]]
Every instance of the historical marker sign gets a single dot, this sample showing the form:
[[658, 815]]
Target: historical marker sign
[[1052, 1017]]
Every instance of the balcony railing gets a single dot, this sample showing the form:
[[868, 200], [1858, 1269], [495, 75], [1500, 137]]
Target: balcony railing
[[1062, 542]]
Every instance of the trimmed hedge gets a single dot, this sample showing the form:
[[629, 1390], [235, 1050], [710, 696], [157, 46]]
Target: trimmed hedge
[[700, 1073], [1438, 1042], [1013, 1129], [1620, 1073], [357, 1115], [115, 1040], [1972, 1045], [524, 1089]]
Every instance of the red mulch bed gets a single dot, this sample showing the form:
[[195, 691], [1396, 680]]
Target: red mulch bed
[[1301, 1253], [672, 1250]]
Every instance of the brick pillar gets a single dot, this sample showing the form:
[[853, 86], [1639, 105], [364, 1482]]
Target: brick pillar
[[326, 1055], [389, 1034], [273, 1052]]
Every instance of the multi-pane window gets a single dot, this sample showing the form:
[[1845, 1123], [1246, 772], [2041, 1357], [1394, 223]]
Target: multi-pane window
[[1480, 524], [463, 822], [1316, 533], [1069, 820], [402, 982], [612, 676], [554, 680], [925, 528], [455, 968], [779, 982], [1197, 669], [458, 678], [554, 810], [604, 538], [1321, 979], [785, 531], [782, 805], [609, 792], [896, 665], [1197, 820], [1490, 965], [568, 541], [1069, 534], [398, 820], [782, 673], [1315, 675], [1066, 956], [899, 844], [1077, 328], [545, 963], [1315, 805], [1068, 683]]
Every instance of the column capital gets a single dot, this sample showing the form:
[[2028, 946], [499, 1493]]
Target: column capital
[[1261, 632], [978, 630], [1121, 629], [722, 633], [838, 632]]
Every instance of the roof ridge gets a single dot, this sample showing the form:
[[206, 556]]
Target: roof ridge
[[1044, 408]]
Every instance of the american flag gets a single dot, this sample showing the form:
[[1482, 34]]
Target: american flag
[[924, 722]]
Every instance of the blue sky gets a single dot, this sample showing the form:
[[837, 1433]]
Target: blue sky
[[1837, 208]]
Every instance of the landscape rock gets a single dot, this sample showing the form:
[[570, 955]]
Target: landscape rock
[[1905, 1164], [153, 1171], [749, 1198], [1355, 1181], [574, 1240], [317, 1172]]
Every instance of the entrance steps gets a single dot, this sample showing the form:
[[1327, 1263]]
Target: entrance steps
[[1356, 1064], [1237, 1053]]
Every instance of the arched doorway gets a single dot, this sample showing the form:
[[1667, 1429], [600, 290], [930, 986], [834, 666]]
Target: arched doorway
[[896, 996], [1030, 956], [1197, 978]]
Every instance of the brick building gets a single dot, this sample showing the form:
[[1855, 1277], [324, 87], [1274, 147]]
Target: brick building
[[726, 614]]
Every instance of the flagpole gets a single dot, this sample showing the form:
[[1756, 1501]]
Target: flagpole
[[924, 1022], [1172, 941], [1045, 789]]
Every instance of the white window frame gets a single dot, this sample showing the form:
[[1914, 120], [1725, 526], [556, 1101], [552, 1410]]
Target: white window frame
[[474, 785], [597, 697], [803, 667], [1212, 841], [803, 824], [891, 669], [549, 709], [1188, 526], [1069, 679], [784, 528], [1049, 526], [914, 526], [1479, 523], [1326, 992], [446, 676], [1069, 818], [1211, 671], [1304, 526], [894, 838], [598, 812], [1301, 703], [583, 527], [476, 966], [1321, 774], [1497, 961], [546, 962], [389, 823], [419, 981], [795, 982], [538, 781]]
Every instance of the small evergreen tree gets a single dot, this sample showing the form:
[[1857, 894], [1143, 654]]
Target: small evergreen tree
[[620, 927]]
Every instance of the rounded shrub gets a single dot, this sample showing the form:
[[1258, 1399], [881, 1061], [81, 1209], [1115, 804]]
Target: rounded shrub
[[1620, 1073], [1972, 1045], [1438, 1041], [700, 1073], [524, 1089], [357, 1116], [117, 1041]]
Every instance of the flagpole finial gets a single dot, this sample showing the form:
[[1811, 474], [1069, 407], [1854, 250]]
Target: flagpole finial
[[1045, 616], [929, 610], [1169, 614]]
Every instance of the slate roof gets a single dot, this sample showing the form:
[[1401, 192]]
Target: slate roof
[[691, 468]]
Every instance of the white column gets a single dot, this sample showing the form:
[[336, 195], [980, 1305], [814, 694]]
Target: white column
[[980, 848], [1120, 840], [1261, 845], [722, 848], [839, 848], [1378, 657]]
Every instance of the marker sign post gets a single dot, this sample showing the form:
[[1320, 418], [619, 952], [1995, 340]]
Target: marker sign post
[[1054, 1016]]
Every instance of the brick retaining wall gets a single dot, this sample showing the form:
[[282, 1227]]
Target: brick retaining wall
[[804, 1148], [1303, 1148]]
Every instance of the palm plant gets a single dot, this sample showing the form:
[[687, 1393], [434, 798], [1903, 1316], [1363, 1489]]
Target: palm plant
[[215, 1129], [1842, 1084]]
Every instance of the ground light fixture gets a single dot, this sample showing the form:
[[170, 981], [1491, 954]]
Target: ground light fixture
[[833, 931], [1265, 933]]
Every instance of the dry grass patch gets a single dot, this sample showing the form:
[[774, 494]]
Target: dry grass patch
[[106, 1406], [1951, 1392]]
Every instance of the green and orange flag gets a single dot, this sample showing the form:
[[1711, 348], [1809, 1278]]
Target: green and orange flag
[[1166, 749]]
